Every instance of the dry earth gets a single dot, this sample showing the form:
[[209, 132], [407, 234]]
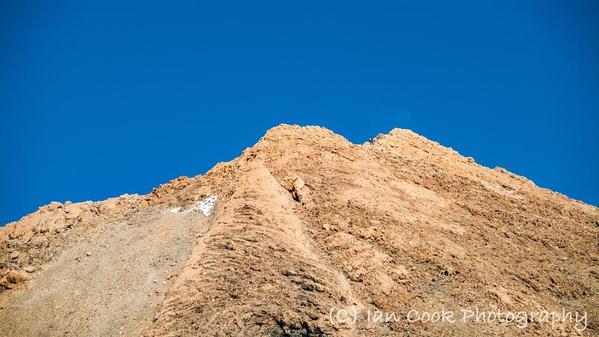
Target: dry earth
[[307, 224]]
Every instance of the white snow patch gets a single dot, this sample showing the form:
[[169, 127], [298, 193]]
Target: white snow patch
[[175, 210], [205, 206]]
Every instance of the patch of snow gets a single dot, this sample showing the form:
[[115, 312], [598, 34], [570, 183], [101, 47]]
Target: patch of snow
[[175, 210], [205, 206]]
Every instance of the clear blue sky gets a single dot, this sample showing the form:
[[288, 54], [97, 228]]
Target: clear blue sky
[[117, 97]]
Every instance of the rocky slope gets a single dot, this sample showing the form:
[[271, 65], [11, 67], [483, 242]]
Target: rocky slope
[[311, 236]]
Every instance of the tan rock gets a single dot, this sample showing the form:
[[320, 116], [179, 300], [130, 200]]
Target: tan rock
[[305, 222]]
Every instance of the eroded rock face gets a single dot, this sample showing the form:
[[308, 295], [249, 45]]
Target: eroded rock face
[[307, 224]]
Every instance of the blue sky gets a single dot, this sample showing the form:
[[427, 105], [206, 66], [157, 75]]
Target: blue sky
[[103, 98]]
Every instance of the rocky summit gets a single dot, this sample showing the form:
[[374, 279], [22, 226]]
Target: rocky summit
[[307, 234]]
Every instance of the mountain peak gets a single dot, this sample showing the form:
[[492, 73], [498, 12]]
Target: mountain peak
[[301, 226]]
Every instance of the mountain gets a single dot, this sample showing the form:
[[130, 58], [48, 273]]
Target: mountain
[[307, 234]]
